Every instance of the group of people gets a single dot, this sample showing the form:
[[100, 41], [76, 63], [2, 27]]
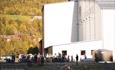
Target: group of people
[[10, 59], [25, 58], [61, 58], [36, 58]]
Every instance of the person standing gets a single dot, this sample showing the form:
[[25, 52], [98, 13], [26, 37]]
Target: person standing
[[13, 58], [77, 58], [42, 60]]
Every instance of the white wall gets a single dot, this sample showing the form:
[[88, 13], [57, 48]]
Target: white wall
[[108, 23], [89, 20], [76, 47], [58, 23]]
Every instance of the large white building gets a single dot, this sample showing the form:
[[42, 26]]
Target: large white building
[[80, 26]]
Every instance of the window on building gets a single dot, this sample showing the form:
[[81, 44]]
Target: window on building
[[83, 52], [92, 51], [64, 52]]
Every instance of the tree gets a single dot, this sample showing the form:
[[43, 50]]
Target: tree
[[33, 50]]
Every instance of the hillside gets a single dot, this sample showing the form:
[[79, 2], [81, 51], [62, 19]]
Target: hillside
[[23, 7], [20, 25]]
